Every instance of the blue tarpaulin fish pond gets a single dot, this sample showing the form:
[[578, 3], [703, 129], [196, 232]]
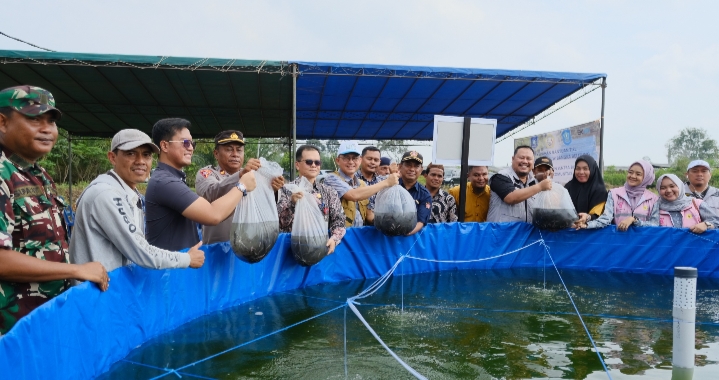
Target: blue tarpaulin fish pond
[[83, 332]]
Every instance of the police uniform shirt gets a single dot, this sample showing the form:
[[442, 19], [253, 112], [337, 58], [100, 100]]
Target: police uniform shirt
[[212, 183], [422, 198]]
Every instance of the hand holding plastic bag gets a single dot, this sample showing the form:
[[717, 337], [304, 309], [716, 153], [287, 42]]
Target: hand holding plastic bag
[[309, 229], [395, 211], [256, 225], [553, 209]]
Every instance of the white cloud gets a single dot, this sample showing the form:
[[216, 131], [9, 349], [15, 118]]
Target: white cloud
[[661, 59]]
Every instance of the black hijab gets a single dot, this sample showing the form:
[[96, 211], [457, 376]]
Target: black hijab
[[587, 195]]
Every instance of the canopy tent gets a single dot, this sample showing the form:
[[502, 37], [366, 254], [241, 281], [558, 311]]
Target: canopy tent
[[101, 94], [346, 101]]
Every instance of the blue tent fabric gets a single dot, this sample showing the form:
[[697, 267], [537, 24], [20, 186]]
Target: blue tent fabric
[[101, 94], [351, 101], [82, 332]]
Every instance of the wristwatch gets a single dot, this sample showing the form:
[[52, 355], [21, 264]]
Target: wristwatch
[[241, 187], [709, 225]]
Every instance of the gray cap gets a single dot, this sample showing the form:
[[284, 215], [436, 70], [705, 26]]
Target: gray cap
[[128, 139]]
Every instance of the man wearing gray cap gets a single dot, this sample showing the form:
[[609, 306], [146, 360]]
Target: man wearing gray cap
[[110, 220], [699, 173]]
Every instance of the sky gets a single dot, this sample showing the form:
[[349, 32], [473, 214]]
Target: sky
[[661, 57]]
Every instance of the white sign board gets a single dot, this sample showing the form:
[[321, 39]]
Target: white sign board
[[447, 141]]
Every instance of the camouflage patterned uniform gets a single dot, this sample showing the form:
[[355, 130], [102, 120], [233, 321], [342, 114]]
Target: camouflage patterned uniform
[[30, 218]]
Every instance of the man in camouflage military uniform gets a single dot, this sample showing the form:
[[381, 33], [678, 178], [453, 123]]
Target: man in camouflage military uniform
[[212, 182], [33, 245]]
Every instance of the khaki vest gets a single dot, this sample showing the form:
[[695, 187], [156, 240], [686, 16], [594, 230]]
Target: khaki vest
[[349, 207]]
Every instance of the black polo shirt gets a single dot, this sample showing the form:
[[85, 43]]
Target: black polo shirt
[[166, 198]]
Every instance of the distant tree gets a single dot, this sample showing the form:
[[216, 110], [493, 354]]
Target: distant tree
[[692, 143], [393, 149], [318, 143], [89, 158]]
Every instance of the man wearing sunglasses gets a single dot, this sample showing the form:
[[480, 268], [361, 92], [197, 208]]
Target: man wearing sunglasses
[[110, 223], [353, 192], [172, 207], [212, 182], [307, 163]]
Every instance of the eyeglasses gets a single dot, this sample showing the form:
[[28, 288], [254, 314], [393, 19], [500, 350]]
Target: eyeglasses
[[186, 143], [346, 158], [310, 162]]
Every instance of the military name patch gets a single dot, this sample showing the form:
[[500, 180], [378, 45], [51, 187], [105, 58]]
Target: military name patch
[[29, 191]]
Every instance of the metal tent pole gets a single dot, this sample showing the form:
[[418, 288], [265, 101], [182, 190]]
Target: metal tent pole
[[293, 145], [465, 168], [69, 159], [601, 129]]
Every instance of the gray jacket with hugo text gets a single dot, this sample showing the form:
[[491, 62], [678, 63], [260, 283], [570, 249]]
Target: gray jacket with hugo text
[[109, 228]]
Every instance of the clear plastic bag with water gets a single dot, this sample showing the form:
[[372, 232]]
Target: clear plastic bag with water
[[256, 225], [553, 209], [309, 228], [395, 211]]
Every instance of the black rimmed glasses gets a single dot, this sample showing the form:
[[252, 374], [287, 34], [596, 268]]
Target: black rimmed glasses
[[187, 143], [310, 162]]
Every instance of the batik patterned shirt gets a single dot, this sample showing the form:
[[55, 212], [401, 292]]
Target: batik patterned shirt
[[371, 181], [328, 202], [30, 223], [444, 208]]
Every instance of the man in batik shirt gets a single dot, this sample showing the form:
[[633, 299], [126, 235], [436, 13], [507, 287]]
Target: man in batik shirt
[[307, 163], [444, 208], [34, 264]]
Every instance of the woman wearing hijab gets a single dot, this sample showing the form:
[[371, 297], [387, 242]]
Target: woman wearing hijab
[[631, 204], [679, 211], [587, 189]]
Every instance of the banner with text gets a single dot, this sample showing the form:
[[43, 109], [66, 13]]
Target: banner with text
[[564, 146]]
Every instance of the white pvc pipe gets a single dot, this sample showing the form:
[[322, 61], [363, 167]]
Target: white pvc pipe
[[684, 314]]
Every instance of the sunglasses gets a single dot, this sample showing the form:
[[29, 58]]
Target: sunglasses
[[310, 162], [187, 143]]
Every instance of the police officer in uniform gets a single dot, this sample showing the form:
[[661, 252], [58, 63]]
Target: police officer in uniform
[[212, 182]]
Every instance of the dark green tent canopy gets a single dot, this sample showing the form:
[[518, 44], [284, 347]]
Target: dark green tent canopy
[[102, 94]]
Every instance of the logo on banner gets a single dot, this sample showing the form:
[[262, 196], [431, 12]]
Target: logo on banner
[[567, 137], [534, 142]]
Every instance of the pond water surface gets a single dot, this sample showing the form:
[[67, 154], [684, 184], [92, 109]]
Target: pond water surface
[[500, 324]]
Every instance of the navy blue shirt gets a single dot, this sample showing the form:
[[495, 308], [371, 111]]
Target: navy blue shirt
[[422, 198], [166, 198]]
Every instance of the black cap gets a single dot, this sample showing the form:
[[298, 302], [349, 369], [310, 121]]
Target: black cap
[[412, 155], [543, 161], [226, 137]]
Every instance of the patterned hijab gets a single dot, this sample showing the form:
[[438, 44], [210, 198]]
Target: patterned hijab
[[635, 192], [678, 204]]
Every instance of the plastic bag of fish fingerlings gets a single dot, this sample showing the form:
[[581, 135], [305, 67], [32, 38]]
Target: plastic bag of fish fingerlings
[[256, 225], [553, 209], [309, 228], [395, 211]]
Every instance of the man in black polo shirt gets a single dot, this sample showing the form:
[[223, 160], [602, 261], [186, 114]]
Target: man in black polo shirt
[[172, 207], [513, 189], [409, 169]]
